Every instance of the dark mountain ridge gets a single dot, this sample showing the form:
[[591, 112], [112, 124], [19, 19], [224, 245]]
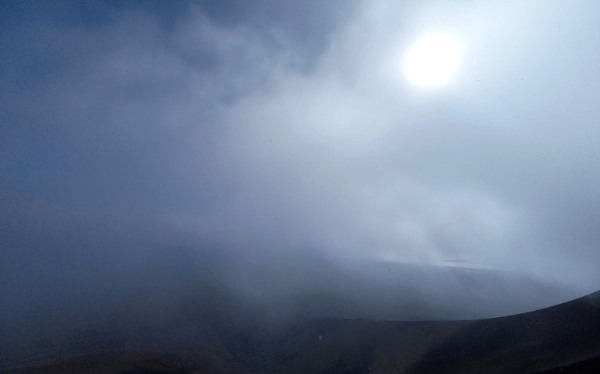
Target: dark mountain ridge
[[564, 337], [541, 340]]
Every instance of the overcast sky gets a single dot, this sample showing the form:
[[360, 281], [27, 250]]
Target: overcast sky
[[289, 126]]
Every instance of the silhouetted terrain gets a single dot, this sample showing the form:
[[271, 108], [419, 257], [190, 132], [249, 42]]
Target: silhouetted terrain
[[524, 343], [590, 366], [565, 337]]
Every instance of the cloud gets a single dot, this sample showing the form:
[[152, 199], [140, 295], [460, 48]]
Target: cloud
[[235, 128]]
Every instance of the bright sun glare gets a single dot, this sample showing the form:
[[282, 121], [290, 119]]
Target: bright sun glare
[[432, 61]]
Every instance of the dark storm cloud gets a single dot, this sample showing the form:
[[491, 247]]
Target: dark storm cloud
[[268, 129]]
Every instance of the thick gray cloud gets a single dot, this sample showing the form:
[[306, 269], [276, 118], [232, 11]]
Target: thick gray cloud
[[270, 128]]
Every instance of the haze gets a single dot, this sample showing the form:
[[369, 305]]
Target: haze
[[153, 150]]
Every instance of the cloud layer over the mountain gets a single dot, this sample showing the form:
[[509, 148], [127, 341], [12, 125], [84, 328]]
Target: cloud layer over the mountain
[[272, 127]]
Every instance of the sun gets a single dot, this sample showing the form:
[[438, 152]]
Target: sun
[[432, 61]]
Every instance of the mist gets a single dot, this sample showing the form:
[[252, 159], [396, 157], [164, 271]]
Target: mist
[[163, 164]]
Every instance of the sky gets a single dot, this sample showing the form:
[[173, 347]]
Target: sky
[[272, 128]]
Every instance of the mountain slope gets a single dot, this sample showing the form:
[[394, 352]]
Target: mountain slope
[[528, 342], [564, 337]]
